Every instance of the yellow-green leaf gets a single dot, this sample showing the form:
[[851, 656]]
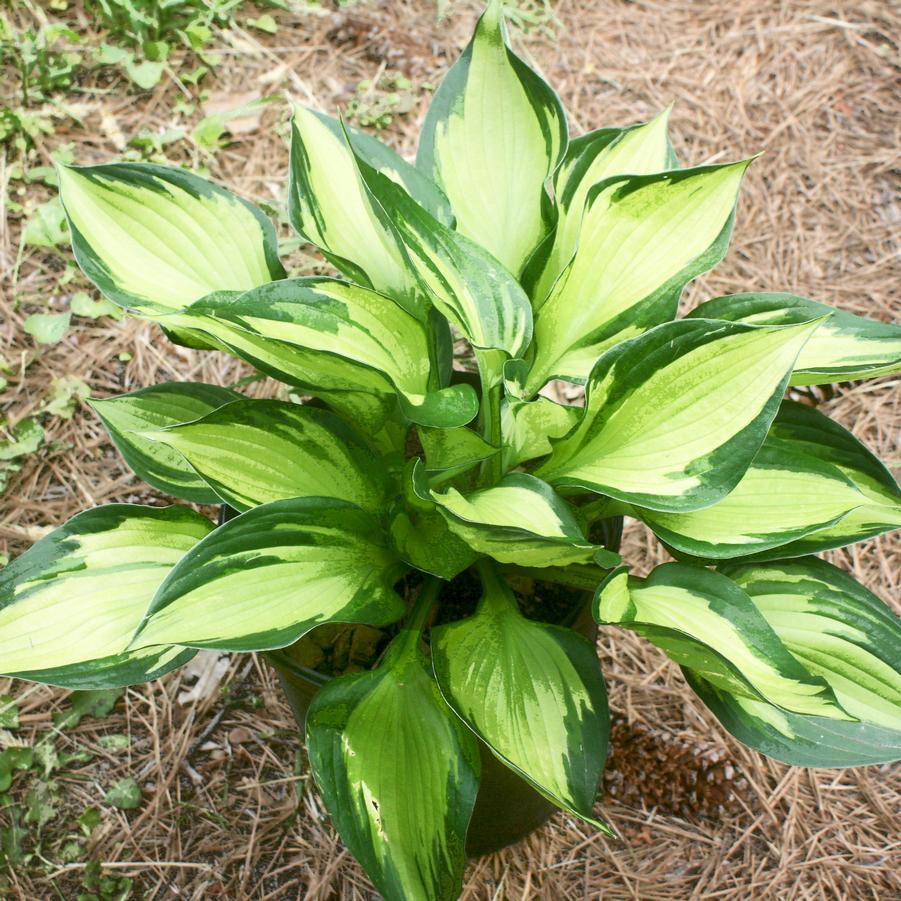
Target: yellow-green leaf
[[313, 559], [534, 693], [591, 158], [155, 238], [493, 135], [398, 772], [330, 206], [251, 452], [70, 604], [708, 625], [641, 239], [846, 347], [673, 418]]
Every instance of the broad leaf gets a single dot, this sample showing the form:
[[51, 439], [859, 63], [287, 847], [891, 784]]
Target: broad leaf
[[784, 496], [423, 539], [332, 335], [673, 418], [846, 347], [708, 625], [519, 520], [70, 604], [814, 433], [169, 403], [534, 693], [529, 427], [255, 451], [838, 630], [330, 206], [360, 394], [493, 135], [805, 429], [591, 158], [464, 282], [813, 741], [641, 239], [155, 238], [270, 575], [386, 161], [453, 451], [398, 773]]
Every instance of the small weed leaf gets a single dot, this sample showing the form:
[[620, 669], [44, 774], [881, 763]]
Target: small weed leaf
[[124, 795], [87, 703]]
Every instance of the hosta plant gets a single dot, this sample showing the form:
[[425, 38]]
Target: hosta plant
[[548, 257]]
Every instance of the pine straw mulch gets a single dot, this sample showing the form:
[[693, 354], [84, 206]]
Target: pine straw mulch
[[228, 807]]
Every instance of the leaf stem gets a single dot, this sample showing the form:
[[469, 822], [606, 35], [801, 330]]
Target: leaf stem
[[491, 432], [411, 631], [491, 377], [495, 590]]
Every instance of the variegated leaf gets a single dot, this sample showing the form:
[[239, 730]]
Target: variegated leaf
[[534, 693], [330, 206], [591, 158], [710, 626], [383, 159], [398, 772], [424, 540], [813, 741], [846, 347], [360, 394], [251, 452], [158, 407], [519, 520], [639, 439], [155, 238], [836, 628], [529, 427], [454, 451], [816, 434], [332, 335], [267, 577], [640, 240], [70, 604], [464, 282], [785, 495], [493, 135], [805, 429], [843, 633]]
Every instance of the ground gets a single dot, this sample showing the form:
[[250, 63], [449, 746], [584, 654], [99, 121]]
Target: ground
[[222, 804]]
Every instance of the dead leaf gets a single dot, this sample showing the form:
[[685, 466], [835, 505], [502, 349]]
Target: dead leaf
[[221, 102], [208, 668], [110, 127], [240, 735]]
